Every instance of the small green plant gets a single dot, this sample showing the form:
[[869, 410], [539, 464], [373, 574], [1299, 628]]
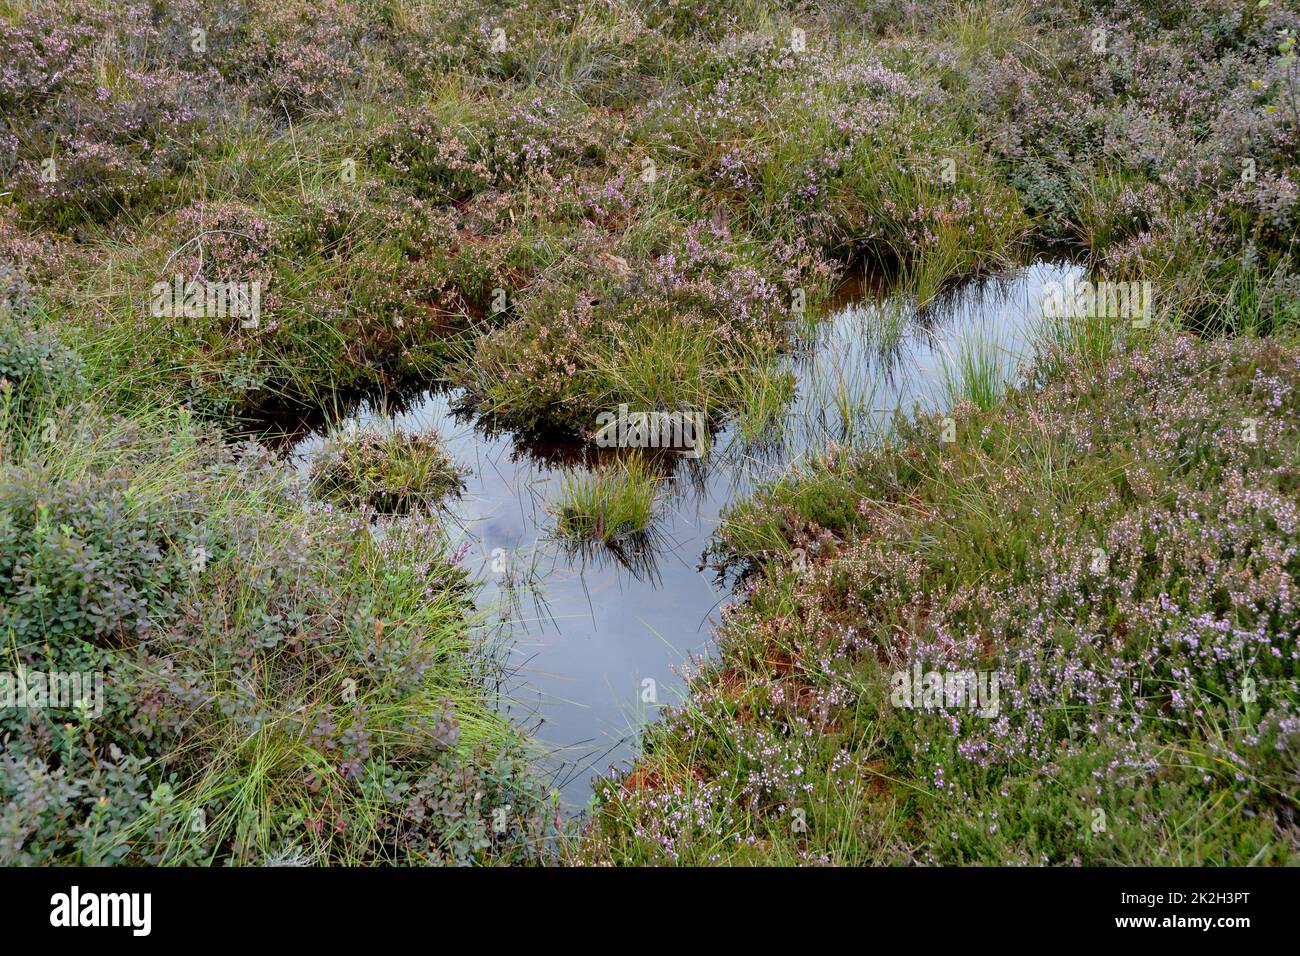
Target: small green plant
[[609, 503], [976, 371], [385, 470], [770, 392], [1080, 338]]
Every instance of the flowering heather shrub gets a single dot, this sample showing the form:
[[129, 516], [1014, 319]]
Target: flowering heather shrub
[[299, 57], [117, 130], [438, 163], [44, 256], [225, 241], [1184, 126], [843, 149], [123, 102], [700, 312], [354, 295], [1147, 679], [503, 145], [522, 170], [539, 138], [603, 54]]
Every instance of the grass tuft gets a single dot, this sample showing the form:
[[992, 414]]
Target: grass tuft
[[608, 504]]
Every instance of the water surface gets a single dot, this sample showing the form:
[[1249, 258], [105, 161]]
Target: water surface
[[588, 628]]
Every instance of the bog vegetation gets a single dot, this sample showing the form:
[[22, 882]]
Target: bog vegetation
[[566, 205]]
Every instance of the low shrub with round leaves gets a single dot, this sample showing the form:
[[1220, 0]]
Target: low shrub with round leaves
[[281, 680]]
